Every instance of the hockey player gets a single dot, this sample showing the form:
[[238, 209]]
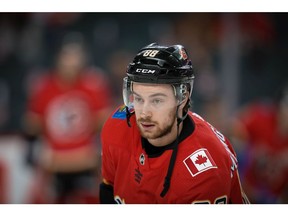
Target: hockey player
[[154, 149]]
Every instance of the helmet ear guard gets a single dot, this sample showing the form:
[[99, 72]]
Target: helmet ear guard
[[182, 91]]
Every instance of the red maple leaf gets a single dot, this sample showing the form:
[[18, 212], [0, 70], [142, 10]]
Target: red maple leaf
[[201, 160]]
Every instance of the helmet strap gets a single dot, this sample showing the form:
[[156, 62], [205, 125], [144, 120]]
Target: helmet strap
[[173, 156], [128, 116]]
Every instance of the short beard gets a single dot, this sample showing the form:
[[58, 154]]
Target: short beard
[[160, 132]]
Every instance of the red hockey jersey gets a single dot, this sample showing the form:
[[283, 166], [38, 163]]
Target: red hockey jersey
[[68, 113], [205, 170]]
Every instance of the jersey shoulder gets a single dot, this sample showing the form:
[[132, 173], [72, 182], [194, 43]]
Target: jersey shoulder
[[116, 121], [204, 159], [210, 136], [116, 129], [206, 141], [204, 133]]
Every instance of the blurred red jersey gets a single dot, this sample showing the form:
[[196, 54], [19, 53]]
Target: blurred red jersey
[[268, 149], [68, 112], [205, 170]]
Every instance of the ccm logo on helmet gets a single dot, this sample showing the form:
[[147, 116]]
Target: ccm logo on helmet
[[140, 70]]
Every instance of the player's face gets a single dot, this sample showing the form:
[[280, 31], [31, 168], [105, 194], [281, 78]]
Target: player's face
[[70, 62], [155, 109]]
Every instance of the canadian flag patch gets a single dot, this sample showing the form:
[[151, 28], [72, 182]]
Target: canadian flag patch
[[199, 161]]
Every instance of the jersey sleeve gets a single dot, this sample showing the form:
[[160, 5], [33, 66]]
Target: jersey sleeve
[[108, 167], [114, 135], [237, 194], [218, 181]]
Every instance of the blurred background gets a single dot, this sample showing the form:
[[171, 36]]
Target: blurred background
[[239, 58]]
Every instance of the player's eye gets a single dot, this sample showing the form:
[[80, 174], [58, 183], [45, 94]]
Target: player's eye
[[157, 101], [138, 99]]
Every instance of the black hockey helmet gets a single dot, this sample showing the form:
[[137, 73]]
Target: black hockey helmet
[[160, 65]]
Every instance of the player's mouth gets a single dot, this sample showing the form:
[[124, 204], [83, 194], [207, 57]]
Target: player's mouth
[[146, 125]]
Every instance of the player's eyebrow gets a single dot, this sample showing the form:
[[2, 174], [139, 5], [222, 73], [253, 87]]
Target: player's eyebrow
[[153, 95]]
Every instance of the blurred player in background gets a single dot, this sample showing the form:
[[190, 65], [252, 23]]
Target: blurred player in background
[[161, 152], [66, 109], [261, 131]]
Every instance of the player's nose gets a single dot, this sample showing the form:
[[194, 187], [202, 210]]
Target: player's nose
[[146, 112]]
